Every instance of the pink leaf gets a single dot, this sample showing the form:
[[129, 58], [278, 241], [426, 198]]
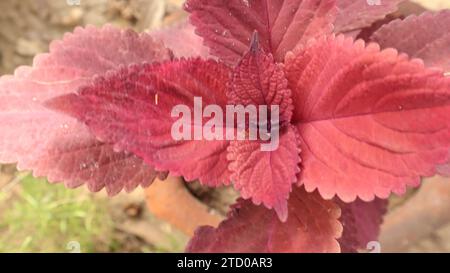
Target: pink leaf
[[56, 145], [312, 227], [361, 222], [356, 14], [426, 36], [258, 80], [182, 41], [132, 108], [370, 122], [227, 26], [266, 177]]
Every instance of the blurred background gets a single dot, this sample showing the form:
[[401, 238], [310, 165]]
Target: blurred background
[[38, 217]]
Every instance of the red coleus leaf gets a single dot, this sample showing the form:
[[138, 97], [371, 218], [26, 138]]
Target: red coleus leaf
[[357, 14], [258, 80], [370, 122], [266, 176], [312, 227], [426, 36], [132, 108], [58, 146], [227, 26], [361, 222]]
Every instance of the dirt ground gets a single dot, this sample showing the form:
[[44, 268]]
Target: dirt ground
[[26, 29]]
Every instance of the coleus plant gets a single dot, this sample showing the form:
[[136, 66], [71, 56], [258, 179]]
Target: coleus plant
[[359, 119]]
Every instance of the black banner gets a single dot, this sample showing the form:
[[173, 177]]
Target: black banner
[[223, 262]]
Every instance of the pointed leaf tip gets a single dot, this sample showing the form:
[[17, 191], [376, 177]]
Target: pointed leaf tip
[[266, 177], [254, 45], [282, 211]]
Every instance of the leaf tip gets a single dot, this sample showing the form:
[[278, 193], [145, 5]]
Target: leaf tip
[[254, 44], [282, 211]]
